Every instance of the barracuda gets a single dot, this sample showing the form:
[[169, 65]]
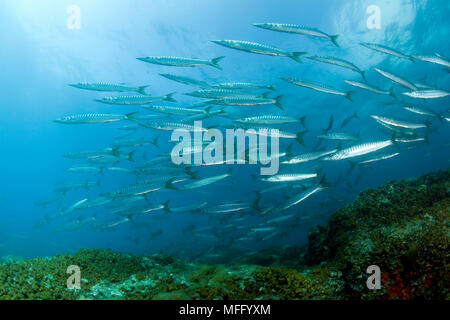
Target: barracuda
[[397, 79], [318, 87], [270, 132], [169, 126], [309, 156], [290, 177], [200, 183], [436, 59], [427, 94], [221, 93], [339, 136], [300, 198], [254, 47], [185, 80], [399, 123], [247, 101], [387, 50], [177, 110], [135, 100], [243, 86], [370, 88], [96, 118], [182, 62], [298, 29], [338, 62], [271, 119], [108, 87], [360, 149]]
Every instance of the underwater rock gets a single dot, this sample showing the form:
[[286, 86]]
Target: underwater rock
[[402, 227]]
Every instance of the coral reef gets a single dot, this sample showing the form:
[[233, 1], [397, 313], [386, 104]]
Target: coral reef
[[402, 227]]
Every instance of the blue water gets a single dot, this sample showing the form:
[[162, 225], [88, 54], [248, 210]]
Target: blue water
[[40, 56]]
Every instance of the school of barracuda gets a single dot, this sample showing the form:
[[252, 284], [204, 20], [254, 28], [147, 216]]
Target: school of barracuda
[[301, 175]]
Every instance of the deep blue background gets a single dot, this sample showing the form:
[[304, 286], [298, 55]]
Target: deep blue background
[[40, 56]]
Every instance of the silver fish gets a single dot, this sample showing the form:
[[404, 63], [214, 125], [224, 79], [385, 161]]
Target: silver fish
[[401, 81], [399, 123], [84, 169], [220, 93], [246, 101], [420, 110], [201, 183], [290, 177], [185, 80], [379, 158], [338, 62], [300, 197], [176, 110], [427, 94], [387, 50], [294, 28], [182, 62], [436, 59], [96, 118], [135, 100], [339, 136], [360, 149], [108, 87], [305, 157], [254, 47], [370, 88], [243, 86], [271, 119], [318, 87]]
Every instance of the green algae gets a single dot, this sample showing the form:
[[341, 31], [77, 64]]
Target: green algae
[[403, 227]]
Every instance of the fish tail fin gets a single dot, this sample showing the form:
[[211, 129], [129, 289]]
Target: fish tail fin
[[394, 139], [130, 156], [303, 121], [208, 110], [141, 90], [333, 39], [352, 166], [193, 174], [427, 138], [363, 75], [168, 97], [323, 182], [215, 62], [296, 56], [349, 95], [412, 59], [130, 116], [155, 141], [166, 206], [271, 87], [289, 151], [392, 93], [169, 184], [277, 101], [428, 124], [299, 137], [255, 203]]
